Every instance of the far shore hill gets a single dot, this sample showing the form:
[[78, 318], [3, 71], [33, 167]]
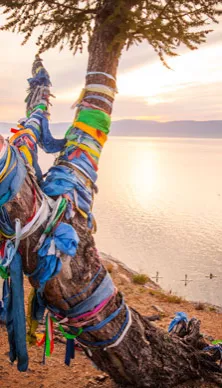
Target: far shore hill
[[147, 128]]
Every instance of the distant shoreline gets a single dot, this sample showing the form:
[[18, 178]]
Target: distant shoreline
[[211, 129]]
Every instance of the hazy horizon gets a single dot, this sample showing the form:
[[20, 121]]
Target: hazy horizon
[[146, 128]]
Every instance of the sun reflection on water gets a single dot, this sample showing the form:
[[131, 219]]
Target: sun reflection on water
[[143, 175]]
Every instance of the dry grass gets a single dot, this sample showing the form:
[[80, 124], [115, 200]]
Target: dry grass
[[166, 297], [140, 279], [212, 309]]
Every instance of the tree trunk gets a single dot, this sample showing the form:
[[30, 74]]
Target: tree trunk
[[147, 356]]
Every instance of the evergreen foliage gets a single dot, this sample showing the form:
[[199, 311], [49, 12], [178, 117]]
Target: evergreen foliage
[[165, 24]]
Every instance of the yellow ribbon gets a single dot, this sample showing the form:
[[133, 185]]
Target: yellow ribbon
[[83, 147], [99, 89], [38, 69], [102, 90], [85, 215], [91, 131], [22, 132], [32, 323], [27, 154], [5, 235], [2, 173]]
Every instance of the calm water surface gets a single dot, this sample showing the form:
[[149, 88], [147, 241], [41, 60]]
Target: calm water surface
[[159, 208]]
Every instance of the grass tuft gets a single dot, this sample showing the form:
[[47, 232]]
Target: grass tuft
[[212, 309], [166, 297], [140, 279]]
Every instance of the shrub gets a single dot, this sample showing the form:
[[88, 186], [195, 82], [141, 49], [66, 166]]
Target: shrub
[[140, 279]]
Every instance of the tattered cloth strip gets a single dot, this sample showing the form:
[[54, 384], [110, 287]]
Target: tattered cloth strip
[[80, 315], [103, 291], [64, 238], [4, 299], [25, 141], [13, 309], [95, 118], [178, 322], [100, 98], [39, 86], [37, 108], [15, 317], [101, 73], [62, 180], [35, 128], [12, 174], [39, 124], [6, 228]]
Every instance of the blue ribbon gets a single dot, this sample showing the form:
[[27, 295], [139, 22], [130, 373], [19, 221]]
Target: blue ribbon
[[180, 316], [12, 183], [4, 301], [15, 317], [102, 292], [5, 222], [87, 287], [81, 162], [70, 351], [62, 180], [64, 239], [103, 323], [108, 341], [45, 139]]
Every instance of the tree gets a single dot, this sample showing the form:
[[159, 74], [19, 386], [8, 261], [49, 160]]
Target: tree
[[165, 25], [147, 357]]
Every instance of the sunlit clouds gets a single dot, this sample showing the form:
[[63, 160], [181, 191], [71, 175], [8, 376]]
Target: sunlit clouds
[[192, 90]]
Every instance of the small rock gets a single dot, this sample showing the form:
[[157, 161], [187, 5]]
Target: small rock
[[158, 308], [121, 275], [90, 382], [101, 377]]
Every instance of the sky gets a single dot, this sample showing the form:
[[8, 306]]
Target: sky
[[192, 90]]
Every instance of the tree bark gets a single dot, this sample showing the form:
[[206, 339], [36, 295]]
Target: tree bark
[[147, 356]]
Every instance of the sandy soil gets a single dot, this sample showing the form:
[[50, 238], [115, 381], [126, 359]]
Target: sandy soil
[[82, 374]]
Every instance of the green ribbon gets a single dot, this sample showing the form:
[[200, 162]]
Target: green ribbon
[[217, 342], [3, 273], [67, 335], [95, 118], [47, 339], [61, 209], [68, 134], [40, 106]]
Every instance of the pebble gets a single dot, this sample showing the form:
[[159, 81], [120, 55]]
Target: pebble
[[158, 308]]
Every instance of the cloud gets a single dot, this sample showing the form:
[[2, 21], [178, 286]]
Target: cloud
[[196, 102], [146, 88]]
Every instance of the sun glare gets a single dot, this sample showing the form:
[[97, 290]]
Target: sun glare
[[153, 81], [143, 172]]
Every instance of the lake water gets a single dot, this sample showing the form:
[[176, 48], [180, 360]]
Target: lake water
[[159, 209]]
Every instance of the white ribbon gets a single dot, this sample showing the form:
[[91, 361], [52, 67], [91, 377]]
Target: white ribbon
[[125, 331]]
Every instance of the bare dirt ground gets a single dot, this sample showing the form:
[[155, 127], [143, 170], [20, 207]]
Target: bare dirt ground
[[81, 373]]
